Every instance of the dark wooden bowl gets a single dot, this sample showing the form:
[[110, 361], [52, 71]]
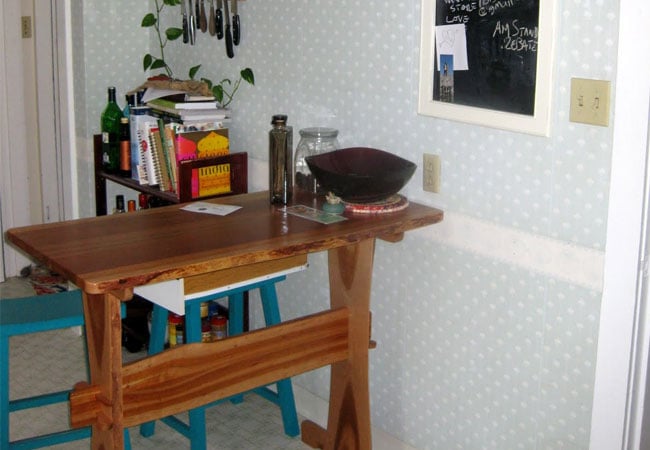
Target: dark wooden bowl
[[361, 174]]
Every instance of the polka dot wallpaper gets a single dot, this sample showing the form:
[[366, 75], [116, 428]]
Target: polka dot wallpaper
[[473, 352]]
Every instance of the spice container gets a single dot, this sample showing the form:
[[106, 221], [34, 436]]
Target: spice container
[[206, 332], [176, 328], [219, 327], [280, 160], [313, 141]]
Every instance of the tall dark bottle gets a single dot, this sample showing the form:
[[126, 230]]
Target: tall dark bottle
[[110, 125], [280, 160]]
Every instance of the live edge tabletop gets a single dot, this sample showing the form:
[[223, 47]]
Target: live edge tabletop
[[110, 255]]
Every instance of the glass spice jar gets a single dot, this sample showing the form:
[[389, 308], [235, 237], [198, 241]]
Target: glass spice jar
[[313, 141]]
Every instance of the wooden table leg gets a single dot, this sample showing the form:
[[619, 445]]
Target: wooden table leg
[[104, 338], [348, 428]]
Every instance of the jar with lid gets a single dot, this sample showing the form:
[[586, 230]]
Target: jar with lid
[[219, 327], [313, 141]]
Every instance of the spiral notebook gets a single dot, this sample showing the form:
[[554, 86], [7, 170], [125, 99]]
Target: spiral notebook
[[150, 153], [159, 162]]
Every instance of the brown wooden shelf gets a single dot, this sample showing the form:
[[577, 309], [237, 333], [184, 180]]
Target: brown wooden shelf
[[238, 178]]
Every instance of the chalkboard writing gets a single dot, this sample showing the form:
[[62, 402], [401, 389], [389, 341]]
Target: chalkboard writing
[[496, 68]]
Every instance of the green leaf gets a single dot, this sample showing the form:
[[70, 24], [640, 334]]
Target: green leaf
[[149, 20], [173, 33], [193, 71], [217, 91], [158, 63], [247, 74], [172, 2], [208, 82], [146, 61]]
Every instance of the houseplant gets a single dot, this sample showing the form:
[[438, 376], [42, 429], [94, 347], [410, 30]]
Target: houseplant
[[224, 91]]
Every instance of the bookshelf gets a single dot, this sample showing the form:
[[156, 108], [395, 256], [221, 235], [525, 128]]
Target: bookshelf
[[238, 178]]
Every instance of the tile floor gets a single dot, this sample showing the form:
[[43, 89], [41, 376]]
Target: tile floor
[[54, 360]]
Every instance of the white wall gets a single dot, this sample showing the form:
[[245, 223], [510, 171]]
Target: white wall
[[481, 345]]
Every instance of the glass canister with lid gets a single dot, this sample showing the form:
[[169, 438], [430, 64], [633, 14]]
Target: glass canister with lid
[[313, 141]]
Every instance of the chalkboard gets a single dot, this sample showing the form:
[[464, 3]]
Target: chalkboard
[[501, 45]]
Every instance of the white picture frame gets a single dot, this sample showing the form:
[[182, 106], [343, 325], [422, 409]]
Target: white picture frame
[[536, 122]]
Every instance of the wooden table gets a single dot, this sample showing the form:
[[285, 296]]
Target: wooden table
[[108, 256]]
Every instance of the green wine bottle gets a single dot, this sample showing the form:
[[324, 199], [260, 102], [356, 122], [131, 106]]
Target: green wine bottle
[[110, 125]]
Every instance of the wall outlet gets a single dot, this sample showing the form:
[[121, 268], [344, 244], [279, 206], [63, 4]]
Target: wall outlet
[[431, 172], [590, 101]]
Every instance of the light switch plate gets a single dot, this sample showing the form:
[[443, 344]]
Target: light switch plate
[[590, 101], [431, 173]]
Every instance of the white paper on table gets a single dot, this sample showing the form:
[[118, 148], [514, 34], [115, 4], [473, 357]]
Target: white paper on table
[[210, 208], [451, 40]]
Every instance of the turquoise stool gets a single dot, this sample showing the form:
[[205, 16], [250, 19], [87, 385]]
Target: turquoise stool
[[32, 315], [195, 430]]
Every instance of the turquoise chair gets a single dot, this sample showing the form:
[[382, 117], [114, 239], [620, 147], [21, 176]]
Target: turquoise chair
[[32, 315], [195, 431]]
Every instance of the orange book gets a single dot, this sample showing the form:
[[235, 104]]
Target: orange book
[[210, 180]]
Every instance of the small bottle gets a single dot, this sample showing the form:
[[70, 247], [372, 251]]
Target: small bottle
[[219, 327], [125, 148], [143, 201], [280, 160], [131, 101], [119, 204], [110, 126]]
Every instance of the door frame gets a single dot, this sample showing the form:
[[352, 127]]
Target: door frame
[[53, 43], [13, 164], [56, 111], [622, 358]]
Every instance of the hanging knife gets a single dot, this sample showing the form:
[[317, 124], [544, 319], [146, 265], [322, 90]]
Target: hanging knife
[[236, 27], [186, 35], [219, 16], [203, 21], [229, 50], [192, 24], [212, 27]]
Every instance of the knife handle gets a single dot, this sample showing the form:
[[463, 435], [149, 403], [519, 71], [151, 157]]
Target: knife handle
[[186, 33], [229, 50], [212, 27], [236, 30], [203, 20], [192, 30], [219, 24]]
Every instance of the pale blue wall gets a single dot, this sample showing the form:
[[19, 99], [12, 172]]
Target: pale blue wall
[[475, 351]]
